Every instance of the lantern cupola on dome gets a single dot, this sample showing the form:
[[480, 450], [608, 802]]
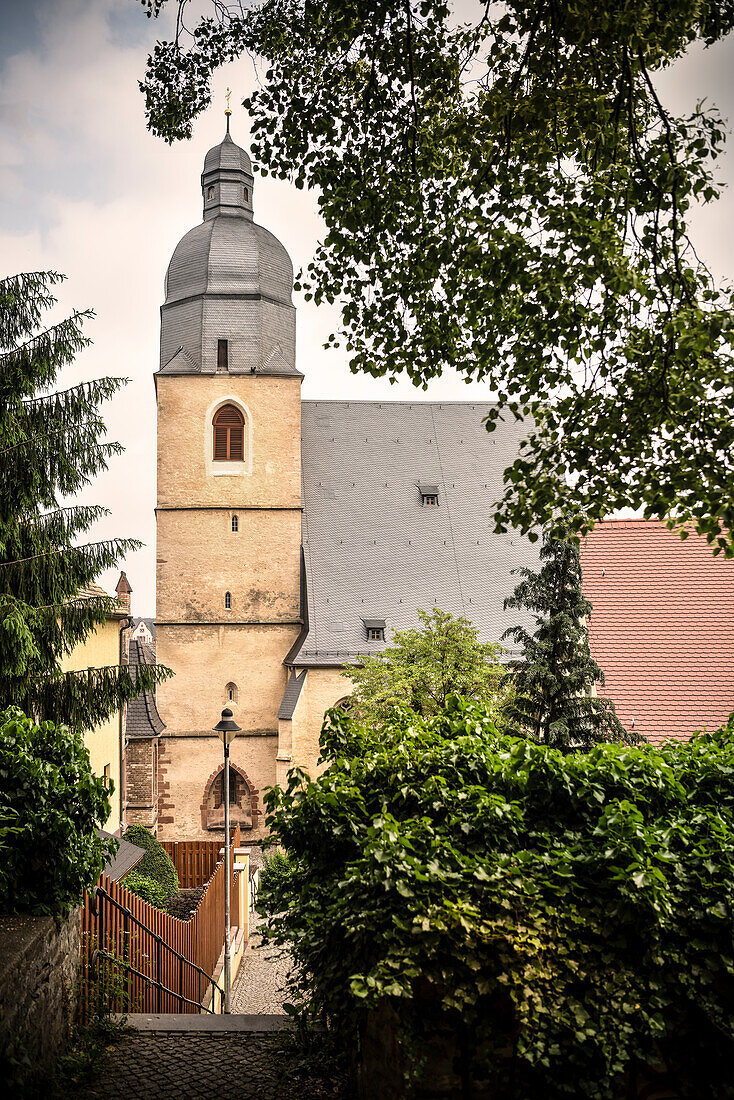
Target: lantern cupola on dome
[[227, 180]]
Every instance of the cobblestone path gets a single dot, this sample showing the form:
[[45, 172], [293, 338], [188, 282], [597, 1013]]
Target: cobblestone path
[[250, 1066], [258, 987]]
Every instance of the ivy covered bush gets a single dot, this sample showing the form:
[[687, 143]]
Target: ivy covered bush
[[569, 916], [146, 888], [277, 868], [156, 864], [50, 806]]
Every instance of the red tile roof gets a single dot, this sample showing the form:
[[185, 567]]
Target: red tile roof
[[662, 626]]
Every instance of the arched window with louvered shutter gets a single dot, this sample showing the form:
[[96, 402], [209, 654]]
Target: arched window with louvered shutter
[[229, 434]]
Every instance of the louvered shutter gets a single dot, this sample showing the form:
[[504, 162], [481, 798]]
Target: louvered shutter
[[229, 434], [236, 442]]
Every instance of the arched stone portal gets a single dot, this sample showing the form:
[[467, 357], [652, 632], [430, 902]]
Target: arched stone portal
[[243, 800]]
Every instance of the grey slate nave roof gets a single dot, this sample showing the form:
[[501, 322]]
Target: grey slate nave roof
[[374, 550]]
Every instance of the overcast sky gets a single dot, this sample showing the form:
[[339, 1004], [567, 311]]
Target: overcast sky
[[86, 190]]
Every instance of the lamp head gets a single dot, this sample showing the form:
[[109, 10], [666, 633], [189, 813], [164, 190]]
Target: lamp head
[[227, 728]]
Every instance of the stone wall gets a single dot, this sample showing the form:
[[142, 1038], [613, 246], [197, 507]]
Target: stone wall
[[324, 688], [187, 766], [39, 961]]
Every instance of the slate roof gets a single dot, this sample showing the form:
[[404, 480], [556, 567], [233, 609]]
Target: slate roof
[[292, 694], [128, 856], [180, 363], [372, 550], [229, 255], [229, 156], [93, 591], [141, 714], [662, 626]]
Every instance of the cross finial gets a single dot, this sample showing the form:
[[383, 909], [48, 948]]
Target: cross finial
[[227, 113]]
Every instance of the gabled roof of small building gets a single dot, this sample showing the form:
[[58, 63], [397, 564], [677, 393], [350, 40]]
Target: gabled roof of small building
[[150, 623], [374, 550], [128, 856], [141, 713], [662, 626], [93, 591]]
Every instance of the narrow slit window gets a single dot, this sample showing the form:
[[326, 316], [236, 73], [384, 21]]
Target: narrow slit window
[[246, 194], [229, 434], [228, 601], [231, 693], [235, 523], [222, 355]]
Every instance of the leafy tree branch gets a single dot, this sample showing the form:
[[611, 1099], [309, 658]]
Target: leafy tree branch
[[510, 198]]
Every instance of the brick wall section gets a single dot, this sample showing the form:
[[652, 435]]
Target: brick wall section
[[141, 783], [187, 766]]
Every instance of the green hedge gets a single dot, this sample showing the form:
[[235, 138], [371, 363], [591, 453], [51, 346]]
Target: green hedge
[[156, 864], [50, 806], [569, 916], [276, 870], [146, 888]]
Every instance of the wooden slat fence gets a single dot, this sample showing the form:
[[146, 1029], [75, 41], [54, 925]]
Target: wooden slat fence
[[144, 946], [194, 860]]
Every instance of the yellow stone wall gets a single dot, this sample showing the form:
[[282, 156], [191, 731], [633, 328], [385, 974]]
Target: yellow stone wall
[[206, 658], [199, 558], [190, 762], [184, 441], [102, 648], [323, 688]]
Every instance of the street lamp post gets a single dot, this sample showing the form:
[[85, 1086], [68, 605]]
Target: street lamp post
[[227, 729]]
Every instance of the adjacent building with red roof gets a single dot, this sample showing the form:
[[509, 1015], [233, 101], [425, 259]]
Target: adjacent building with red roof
[[662, 627]]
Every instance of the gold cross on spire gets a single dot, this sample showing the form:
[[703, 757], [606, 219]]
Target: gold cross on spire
[[228, 112]]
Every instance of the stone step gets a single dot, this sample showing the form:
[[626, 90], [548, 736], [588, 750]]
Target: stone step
[[204, 1023]]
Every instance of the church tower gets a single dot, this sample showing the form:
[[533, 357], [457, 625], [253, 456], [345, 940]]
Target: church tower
[[229, 502]]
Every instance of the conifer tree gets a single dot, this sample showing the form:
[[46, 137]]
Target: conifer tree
[[51, 445], [556, 675]]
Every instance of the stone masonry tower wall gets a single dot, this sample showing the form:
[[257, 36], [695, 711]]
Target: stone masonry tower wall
[[228, 528]]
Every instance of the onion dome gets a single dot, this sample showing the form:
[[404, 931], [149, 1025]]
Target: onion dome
[[228, 253]]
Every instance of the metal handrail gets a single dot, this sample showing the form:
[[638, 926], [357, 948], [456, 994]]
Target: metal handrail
[[160, 942], [99, 953]]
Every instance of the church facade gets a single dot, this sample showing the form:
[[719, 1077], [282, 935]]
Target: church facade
[[292, 536]]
